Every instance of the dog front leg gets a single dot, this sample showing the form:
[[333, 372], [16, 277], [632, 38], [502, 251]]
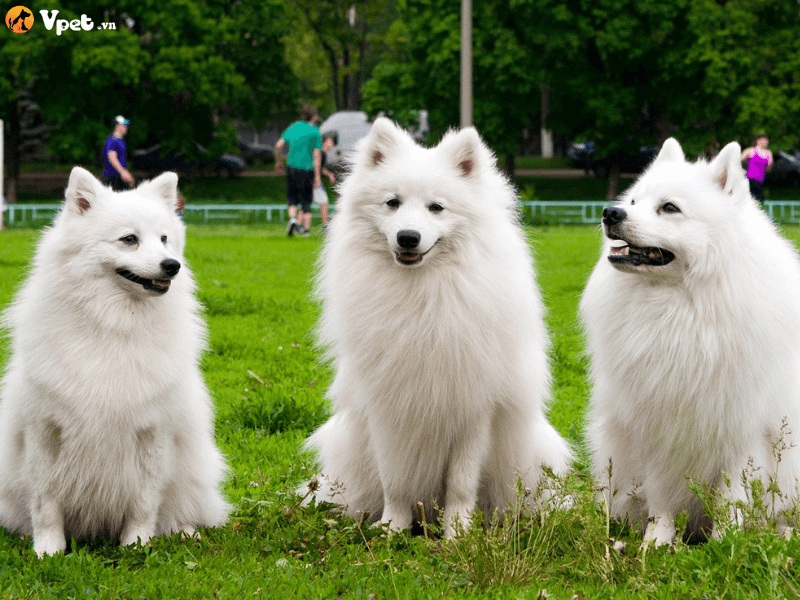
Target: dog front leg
[[140, 521], [48, 525], [141, 516], [47, 514], [463, 477], [660, 529], [394, 471]]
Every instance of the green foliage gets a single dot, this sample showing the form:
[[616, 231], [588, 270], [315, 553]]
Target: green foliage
[[178, 69], [628, 72], [750, 54], [421, 70], [333, 47]]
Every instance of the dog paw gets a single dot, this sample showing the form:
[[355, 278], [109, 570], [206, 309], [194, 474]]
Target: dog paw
[[49, 543], [395, 520], [455, 527], [660, 531], [617, 546], [134, 536]]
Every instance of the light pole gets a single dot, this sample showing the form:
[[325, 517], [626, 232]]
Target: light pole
[[466, 63]]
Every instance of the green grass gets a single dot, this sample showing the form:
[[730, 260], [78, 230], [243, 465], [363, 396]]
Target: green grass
[[268, 386], [261, 190]]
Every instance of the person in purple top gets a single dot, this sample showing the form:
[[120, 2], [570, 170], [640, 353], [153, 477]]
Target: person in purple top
[[115, 158], [759, 160]]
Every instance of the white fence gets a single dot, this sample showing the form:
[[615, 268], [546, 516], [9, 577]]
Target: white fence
[[22, 215], [555, 212]]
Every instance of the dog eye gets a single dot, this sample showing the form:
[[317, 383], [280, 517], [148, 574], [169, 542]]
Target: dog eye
[[436, 208], [393, 203], [633, 202], [129, 239], [669, 207], [163, 239]]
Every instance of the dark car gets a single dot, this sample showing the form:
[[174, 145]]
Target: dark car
[[256, 154], [156, 158], [785, 169], [630, 161], [582, 155]]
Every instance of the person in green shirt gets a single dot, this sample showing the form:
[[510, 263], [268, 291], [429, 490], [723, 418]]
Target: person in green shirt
[[303, 166]]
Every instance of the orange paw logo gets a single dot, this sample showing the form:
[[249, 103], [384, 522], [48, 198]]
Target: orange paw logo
[[19, 19]]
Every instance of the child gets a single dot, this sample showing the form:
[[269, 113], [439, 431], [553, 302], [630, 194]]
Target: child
[[320, 195]]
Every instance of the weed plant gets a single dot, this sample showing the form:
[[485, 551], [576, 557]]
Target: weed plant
[[268, 387]]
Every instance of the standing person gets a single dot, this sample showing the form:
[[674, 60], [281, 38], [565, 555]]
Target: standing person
[[759, 161], [115, 157], [303, 167], [320, 194]]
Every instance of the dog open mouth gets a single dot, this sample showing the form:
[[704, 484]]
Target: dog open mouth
[[409, 258], [159, 286], [626, 253]]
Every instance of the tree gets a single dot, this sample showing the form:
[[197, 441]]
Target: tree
[[633, 72], [749, 53], [617, 69], [180, 69], [347, 32], [20, 55], [420, 70]]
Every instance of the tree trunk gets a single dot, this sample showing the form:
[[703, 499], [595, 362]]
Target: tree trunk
[[546, 134], [613, 179], [355, 101], [13, 143], [510, 166], [348, 78], [337, 99]]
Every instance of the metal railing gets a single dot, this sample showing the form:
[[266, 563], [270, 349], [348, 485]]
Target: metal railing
[[25, 215], [545, 212]]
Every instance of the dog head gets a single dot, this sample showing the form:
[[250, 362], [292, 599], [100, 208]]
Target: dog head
[[132, 238], [414, 202], [673, 219]]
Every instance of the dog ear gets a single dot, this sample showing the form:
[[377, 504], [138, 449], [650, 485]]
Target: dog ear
[[467, 150], [726, 168], [383, 140], [82, 192], [670, 152], [164, 187]]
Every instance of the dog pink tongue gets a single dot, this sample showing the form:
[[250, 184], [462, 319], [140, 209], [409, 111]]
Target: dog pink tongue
[[164, 283]]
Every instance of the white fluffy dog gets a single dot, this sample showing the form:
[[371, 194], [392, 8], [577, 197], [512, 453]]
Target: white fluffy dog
[[433, 322], [105, 421], [693, 321]]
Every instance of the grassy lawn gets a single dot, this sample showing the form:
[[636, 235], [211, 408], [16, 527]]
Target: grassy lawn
[[268, 387]]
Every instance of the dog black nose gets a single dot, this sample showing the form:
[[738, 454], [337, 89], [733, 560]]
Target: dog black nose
[[170, 266], [613, 215], [408, 238]]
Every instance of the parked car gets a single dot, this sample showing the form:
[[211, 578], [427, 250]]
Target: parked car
[[635, 162], [582, 155], [156, 158], [256, 154], [785, 169], [347, 127]]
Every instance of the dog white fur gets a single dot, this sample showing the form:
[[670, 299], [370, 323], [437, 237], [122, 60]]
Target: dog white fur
[[696, 362], [105, 421], [433, 322]]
